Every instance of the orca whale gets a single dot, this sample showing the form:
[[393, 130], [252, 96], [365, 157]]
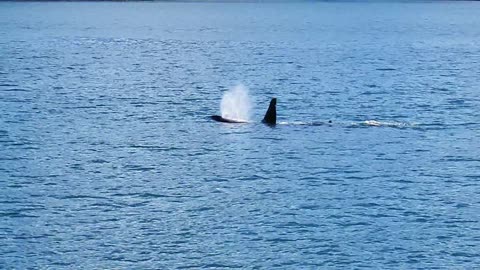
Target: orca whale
[[270, 117]]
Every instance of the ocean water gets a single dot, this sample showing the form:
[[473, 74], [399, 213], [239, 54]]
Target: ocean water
[[109, 160]]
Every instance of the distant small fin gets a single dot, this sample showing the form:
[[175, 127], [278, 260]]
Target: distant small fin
[[271, 115]]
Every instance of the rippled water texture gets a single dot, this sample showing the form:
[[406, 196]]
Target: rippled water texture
[[108, 158]]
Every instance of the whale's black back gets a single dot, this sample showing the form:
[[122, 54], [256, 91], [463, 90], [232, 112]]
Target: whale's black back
[[218, 118], [271, 115]]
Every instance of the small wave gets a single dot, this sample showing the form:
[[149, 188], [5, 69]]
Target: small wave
[[375, 123], [156, 148], [302, 123], [134, 167], [372, 123], [366, 123], [292, 123]]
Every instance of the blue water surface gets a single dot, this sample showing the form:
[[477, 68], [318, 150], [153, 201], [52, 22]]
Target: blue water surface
[[108, 158]]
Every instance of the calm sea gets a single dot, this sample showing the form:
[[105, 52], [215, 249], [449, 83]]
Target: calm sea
[[108, 158]]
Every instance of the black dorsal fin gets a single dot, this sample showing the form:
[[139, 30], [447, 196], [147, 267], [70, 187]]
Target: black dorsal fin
[[271, 115]]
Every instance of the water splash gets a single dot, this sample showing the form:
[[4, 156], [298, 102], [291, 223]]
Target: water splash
[[236, 104]]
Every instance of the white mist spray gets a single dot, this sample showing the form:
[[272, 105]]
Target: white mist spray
[[236, 104]]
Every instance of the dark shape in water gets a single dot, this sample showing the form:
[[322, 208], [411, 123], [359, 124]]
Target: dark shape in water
[[269, 119], [271, 115], [218, 118]]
